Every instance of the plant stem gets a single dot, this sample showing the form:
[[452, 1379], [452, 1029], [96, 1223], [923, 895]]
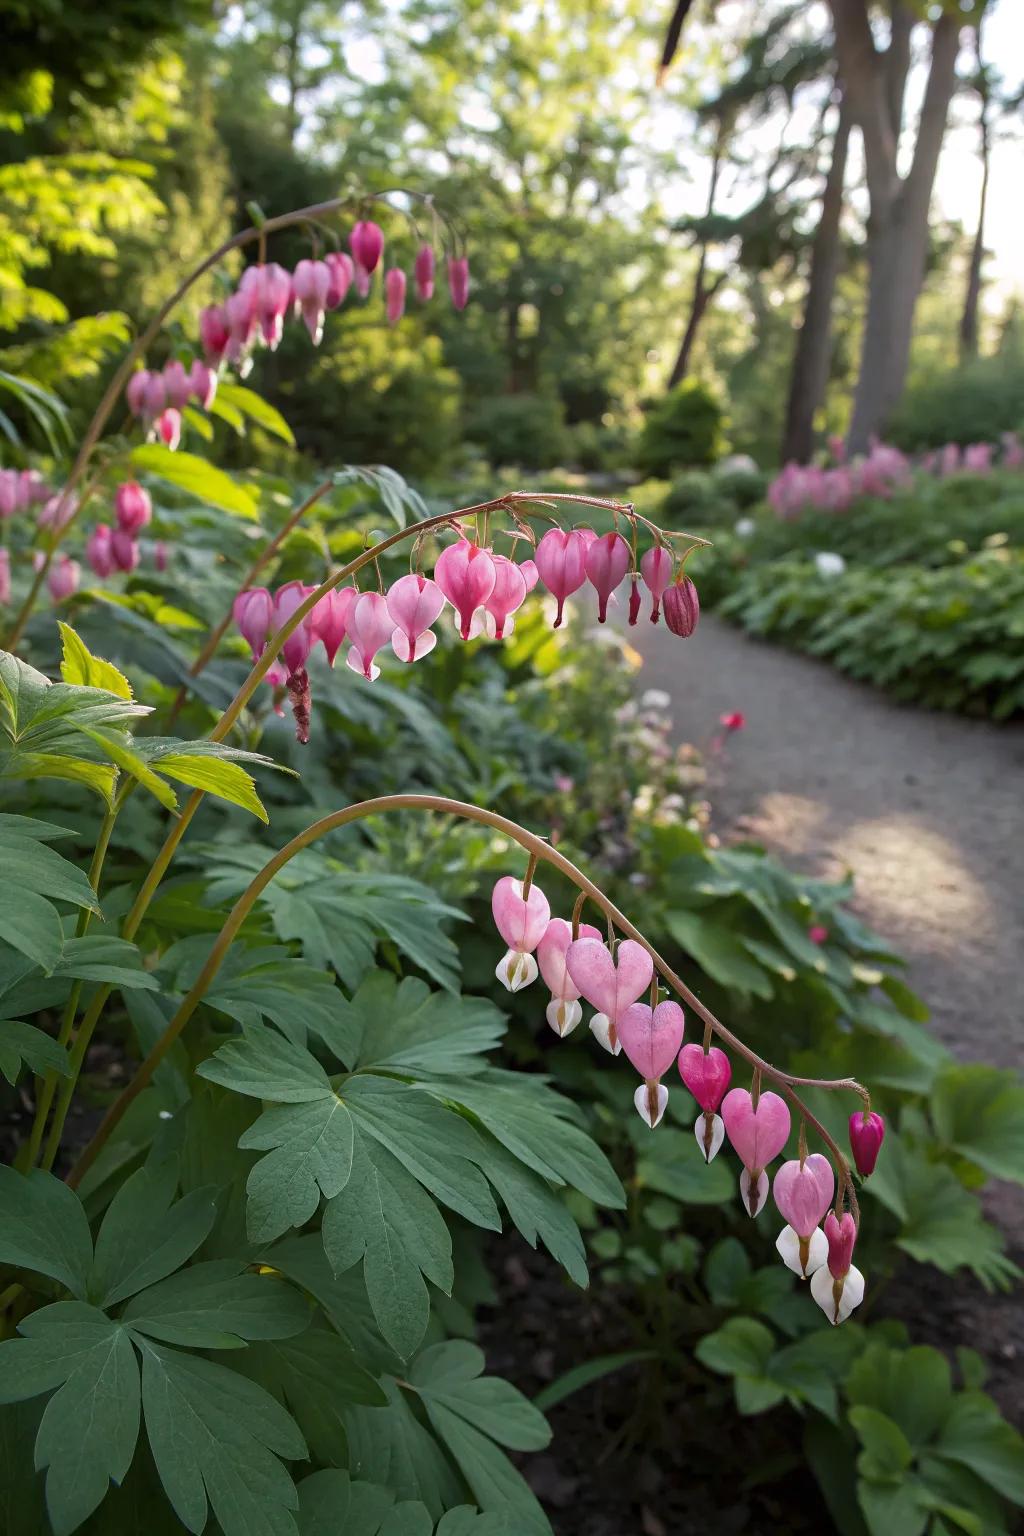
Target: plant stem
[[536, 847], [47, 1085], [266, 554]]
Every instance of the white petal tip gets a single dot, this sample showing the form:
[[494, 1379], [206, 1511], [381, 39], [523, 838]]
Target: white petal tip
[[753, 1200], [837, 1299], [516, 970], [651, 1100], [803, 1257], [563, 1016], [601, 1029], [710, 1144]]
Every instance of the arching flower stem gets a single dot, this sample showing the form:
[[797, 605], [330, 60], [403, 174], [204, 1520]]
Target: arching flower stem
[[536, 847]]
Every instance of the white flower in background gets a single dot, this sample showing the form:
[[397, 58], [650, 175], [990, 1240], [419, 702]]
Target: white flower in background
[[654, 698], [745, 528], [829, 564]]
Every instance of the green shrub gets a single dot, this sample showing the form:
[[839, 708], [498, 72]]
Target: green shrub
[[683, 430], [527, 430], [973, 404]]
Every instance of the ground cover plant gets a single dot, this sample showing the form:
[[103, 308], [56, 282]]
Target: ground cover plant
[[264, 1120]]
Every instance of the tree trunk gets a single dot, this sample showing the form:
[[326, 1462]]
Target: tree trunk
[[702, 294], [972, 297], [898, 221], [809, 376]]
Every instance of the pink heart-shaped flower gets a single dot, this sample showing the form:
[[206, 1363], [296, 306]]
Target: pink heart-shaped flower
[[803, 1192], [651, 1037], [551, 956], [610, 985], [520, 922], [705, 1073], [758, 1135]]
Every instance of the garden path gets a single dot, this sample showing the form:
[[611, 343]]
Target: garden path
[[927, 810]]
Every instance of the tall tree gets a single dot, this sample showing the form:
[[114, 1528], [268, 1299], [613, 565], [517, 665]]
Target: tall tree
[[874, 84], [972, 295], [809, 375]]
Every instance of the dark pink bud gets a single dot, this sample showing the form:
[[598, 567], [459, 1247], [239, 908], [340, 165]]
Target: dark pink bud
[[561, 561], [867, 1132], [63, 578], [176, 384], [99, 553], [424, 272], [706, 1074], [458, 280], [125, 550], [214, 333], [133, 507], [202, 384], [817, 933], [367, 244], [841, 1237], [168, 427], [342, 270], [252, 612], [606, 564], [656, 570], [682, 609], [394, 294], [634, 601], [297, 647]]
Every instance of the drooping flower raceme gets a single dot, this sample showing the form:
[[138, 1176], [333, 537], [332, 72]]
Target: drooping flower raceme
[[610, 985], [707, 1075], [563, 1012], [838, 1285], [803, 1190], [522, 919], [758, 1134], [651, 1038]]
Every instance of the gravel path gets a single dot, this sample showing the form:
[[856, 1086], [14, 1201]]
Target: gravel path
[[926, 810]]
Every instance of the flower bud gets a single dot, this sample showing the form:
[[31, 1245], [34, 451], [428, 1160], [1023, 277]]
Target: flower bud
[[99, 553], [394, 294], [342, 270], [458, 280], [63, 578], [176, 384], [168, 428], [367, 244], [125, 550], [424, 273], [682, 609], [867, 1132], [132, 506]]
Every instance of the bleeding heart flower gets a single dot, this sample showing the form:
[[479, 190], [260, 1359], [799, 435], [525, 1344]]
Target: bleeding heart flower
[[705, 1073], [63, 579], [342, 270], [125, 549], [609, 985], [133, 507], [531, 575], [651, 1037], [252, 612], [758, 1135], [458, 280], [607, 562], [803, 1255], [99, 553], [168, 427], [522, 922], [311, 283], [656, 570], [414, 603], [682, 608], [394, 294], [202, 384], [296, 649], [424, 273], [214, 335], [562, 564], [803, 1192], [329, 619], [634, 600], [176, 384], [867, 1132], [563, 1012], [837, 1285], [508, 595], [370, 626], [466, 575], [367, 244]]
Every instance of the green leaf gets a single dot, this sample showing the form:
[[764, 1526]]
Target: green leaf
[[103, 957], [390, 1445], [310, 1149], [192, 474], [912, 1386], [536, 1208], [889, 1507], [79, 665], [144, 1236], [43, 1226], [741, 1347], [384, 1217], [887, 1450], [129, 762], [88, 1432], [585, 1375], [330, 1504], [673, 1165], [267, 983], [218, 1305], [35, 876], [23, 1043], [977, 1436], [718, 952], [215, 776], [317, 1375], [979, 1112], [216, 1439], [407, 1028], [257, 409], [264, 1065]]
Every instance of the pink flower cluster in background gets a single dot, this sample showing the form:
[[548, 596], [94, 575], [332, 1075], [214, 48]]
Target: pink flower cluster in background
[[816, 1242], [800, 488]]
